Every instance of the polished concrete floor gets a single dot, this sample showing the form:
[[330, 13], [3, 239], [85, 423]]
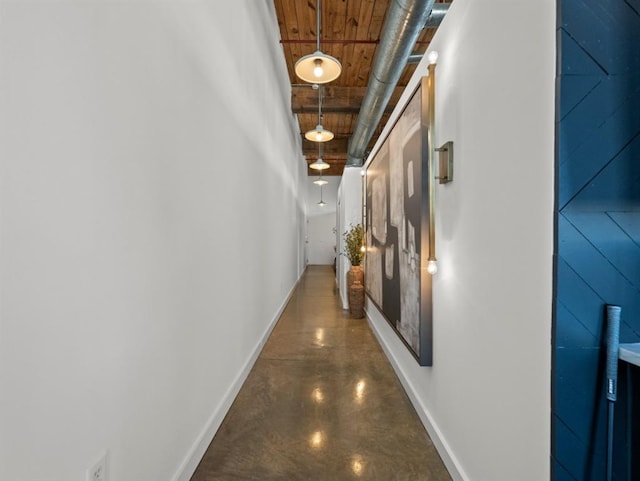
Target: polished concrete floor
[[321, 403]]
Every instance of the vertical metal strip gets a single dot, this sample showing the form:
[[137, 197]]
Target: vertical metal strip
[[431, 181]]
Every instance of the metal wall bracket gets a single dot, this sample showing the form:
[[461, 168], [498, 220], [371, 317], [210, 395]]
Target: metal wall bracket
[[445, 167]]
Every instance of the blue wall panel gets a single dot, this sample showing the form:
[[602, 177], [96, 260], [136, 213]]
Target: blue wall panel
[[598, 227], [561, 473], [630, 222], [608, 30], [575, 295], [586, 146]]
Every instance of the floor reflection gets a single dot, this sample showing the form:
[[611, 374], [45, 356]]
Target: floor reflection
[[317, 440], [322, 403], [319, 337], [360, 391], [317, 395], [357, 464]]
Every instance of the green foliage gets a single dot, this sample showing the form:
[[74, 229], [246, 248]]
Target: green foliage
[[354, 240]]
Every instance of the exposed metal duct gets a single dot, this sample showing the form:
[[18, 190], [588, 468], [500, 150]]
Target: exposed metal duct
[[438, 12], [435, 19], [405, 20]]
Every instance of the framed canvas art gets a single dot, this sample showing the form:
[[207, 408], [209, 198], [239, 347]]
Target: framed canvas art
[[397, 227]]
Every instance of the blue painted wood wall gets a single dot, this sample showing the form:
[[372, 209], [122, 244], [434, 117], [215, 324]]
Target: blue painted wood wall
[[598, 225]]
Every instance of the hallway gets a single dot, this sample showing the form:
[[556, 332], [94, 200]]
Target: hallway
[[321, 403]]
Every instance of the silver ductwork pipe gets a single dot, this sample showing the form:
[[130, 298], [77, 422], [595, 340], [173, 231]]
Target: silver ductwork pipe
[[405, 20], [414, 58], [438, 12], [435, 19]]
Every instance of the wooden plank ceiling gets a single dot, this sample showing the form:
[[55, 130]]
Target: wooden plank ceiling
[[350, 31]]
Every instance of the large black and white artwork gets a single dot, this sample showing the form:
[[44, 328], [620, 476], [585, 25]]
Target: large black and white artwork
[[397, 229]]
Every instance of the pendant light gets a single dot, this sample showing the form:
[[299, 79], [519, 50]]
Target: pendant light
[[322, 203], [320, 181], [318, 67], [319, 164], [319, 134]]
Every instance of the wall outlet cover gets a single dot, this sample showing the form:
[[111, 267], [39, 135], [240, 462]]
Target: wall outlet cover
[[98, 471]]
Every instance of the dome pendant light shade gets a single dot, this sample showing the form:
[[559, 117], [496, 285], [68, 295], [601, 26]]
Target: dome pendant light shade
[[319, 134], [320, 180], [319, 165], [318, 68]]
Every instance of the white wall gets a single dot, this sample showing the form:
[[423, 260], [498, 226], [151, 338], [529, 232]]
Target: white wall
[[486, 400], [349, 214], [150, 230]]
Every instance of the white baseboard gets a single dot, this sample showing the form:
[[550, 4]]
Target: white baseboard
[[444, 450], [199, 447]]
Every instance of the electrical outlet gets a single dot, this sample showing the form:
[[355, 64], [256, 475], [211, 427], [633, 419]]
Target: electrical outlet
[[98, 472]]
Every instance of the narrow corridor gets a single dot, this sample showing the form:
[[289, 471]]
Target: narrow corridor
[[321, 403]]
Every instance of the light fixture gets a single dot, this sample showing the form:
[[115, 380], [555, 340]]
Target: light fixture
[[319, 164], [319, 134], [432, 266], [432, 263], [432, 57], [445, 167], [322, 203], [320, 181], [318, 67]]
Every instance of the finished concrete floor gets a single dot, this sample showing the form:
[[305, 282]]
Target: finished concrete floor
[[321, 403]]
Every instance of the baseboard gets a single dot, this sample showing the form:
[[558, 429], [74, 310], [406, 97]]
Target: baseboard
[[439, 441], [199, 447]]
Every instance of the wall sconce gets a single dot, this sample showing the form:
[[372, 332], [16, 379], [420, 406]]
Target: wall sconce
[[445, 164], [445, 167], [432, 261]]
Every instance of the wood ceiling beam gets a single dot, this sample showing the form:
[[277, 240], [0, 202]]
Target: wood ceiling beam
[[335, 99], [337, 146], [313, 41], [329, 41], [333, 151]]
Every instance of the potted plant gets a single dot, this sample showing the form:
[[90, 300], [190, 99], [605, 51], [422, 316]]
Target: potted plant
[[354, 241], [354, 251]]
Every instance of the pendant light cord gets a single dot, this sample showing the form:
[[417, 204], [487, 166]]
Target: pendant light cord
[[318, 6], [320, 105]]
